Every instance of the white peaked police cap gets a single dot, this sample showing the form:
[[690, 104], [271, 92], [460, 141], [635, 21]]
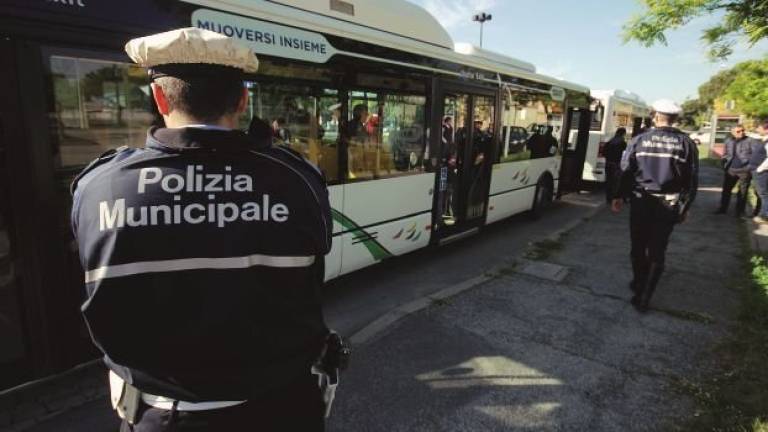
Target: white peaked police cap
[[667, 106], [191, 46]]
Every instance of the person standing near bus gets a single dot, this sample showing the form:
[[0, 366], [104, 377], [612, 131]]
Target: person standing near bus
[[738, 152], [203, 255], [759, 163], [612, 151], [660, 178]]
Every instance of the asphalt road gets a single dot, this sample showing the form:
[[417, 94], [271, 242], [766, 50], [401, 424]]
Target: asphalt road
[[355, 300], [533, 350]]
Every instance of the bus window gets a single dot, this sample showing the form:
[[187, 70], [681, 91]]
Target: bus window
[[531, 127], [573, 133], [385, 135], [598, 112], [304, 118], [96, 106]]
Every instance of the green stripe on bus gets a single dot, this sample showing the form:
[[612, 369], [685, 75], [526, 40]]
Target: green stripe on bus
[[378, 251]]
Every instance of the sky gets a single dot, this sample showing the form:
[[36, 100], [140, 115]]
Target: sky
[[581, 42]]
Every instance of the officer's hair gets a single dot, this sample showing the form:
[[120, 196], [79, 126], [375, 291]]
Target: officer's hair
[[763, 123], [205, 99], [621, 131], [667, 118]]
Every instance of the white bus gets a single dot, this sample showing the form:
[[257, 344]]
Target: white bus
[[364, 89], [612, 109]]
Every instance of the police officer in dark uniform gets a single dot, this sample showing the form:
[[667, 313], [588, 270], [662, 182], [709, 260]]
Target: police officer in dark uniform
[[738, 152], [203, 255], [659, 178], [613, 151]]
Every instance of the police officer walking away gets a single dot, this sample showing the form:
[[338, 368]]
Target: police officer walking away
[[660, 177], [613, 150], [738, 152], [203, 256]]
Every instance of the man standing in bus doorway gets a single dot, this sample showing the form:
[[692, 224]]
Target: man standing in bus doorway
[[203, 255], [612, 151], [759, 162], [448, 170], [659, 178], [738, 152]]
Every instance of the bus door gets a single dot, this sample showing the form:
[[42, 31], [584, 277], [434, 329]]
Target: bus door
[[14, 355], [576, 139], [466, 148], [637, 125]]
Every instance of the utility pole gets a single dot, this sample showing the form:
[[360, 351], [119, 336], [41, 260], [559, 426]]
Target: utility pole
[[482, 17]]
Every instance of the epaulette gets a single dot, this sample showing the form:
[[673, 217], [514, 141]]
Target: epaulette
[[103, 158]]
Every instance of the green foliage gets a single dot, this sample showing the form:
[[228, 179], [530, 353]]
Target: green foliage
[[746, 18], [715, 87], [694, 113], [749, 88], [735, 398], [746, 83]]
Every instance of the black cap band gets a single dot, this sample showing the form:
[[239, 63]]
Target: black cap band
[[195, 70]]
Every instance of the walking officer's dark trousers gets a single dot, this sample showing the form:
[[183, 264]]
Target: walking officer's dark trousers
[[651, 221]]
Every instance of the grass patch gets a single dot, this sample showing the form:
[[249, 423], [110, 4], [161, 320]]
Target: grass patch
[[441, 302], [706, 160], [543, 249], [736, 397], [507, 270], [689, 316]]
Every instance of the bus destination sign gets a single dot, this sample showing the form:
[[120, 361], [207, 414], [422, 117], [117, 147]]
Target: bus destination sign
[[267, 38]]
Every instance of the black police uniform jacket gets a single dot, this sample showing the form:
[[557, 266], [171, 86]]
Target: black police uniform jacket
[[663, 160], [203, 258]]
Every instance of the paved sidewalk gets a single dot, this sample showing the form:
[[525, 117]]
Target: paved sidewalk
[[522, 351]]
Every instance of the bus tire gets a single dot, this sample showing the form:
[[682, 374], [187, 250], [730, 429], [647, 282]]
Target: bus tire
[[542, 199]]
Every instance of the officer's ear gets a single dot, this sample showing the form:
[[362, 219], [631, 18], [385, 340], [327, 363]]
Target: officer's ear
[[243, 104], [160, 99]]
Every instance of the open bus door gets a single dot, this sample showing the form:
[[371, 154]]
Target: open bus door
[[637, 126], [466, 118], [576, 139]]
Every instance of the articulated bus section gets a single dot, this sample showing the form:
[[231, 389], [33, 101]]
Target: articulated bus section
[[612, 109], [422, 141]]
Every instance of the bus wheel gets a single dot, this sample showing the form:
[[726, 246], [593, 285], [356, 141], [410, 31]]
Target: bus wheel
[[543, 197]]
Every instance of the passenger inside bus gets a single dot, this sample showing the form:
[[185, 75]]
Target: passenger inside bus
[[280, 132]]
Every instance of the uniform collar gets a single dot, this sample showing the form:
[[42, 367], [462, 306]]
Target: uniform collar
[[196, 139], [668, 129]]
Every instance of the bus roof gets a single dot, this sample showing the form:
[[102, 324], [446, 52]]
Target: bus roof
[[622, 95], [503, 64], [395, 24], [378, 22], [493, 57]]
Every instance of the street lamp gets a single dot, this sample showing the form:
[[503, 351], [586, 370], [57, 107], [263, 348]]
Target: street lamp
[[482, 17]]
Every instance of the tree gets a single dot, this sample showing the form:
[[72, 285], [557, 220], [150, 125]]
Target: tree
[[740, 18], [694, 113], [749, 88], [716, 85]]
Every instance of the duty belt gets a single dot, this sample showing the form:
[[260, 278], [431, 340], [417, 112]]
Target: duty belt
[[674, 197], [667, 197], [125, 400]]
